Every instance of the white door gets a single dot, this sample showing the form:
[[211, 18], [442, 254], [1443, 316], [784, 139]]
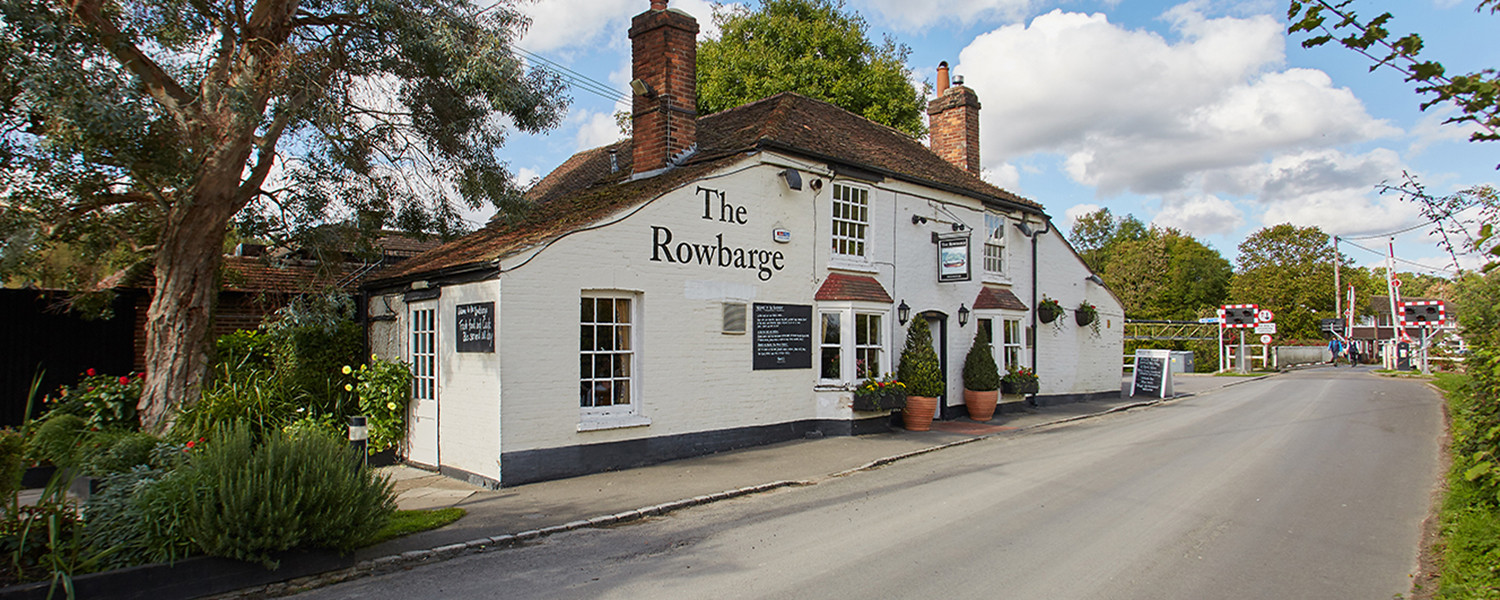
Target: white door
[[422, 428]]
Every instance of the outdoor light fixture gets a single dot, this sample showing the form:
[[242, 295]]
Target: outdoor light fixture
[[359, 435], [793, 179], [963, 315], [1025, 229], [1094, 278], [642, 89], [903, 313], [918, 219]]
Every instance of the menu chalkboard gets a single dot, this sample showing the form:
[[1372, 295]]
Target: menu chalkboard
[[783, 336], [476, 327], [1152, 377]]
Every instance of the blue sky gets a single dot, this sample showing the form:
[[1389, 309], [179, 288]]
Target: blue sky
[[1201, 115]]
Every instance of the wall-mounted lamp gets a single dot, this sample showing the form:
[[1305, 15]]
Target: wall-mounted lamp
[[959, 227], [963, 315], [420, 285], [918, 220], [816, 184], [1025, 229], [1094, 278], [793, 179], [903, 313], [642, 89]]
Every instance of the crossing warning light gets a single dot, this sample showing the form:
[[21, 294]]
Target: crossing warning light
[[1239, 315], [1423, 313]]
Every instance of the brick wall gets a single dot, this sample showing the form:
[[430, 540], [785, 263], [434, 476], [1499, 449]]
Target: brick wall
[[953, 124], [664, 55]]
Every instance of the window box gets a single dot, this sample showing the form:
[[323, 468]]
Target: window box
[[1025, 388], [879, 402]]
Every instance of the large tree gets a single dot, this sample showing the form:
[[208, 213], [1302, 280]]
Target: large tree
[[814, 48], [160, 122], [1289, 270]]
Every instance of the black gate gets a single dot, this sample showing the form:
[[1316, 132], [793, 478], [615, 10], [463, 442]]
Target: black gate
[[40, 335]]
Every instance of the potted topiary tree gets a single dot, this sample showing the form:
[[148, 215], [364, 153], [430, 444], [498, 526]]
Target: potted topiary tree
[[981, 380], [923, 377]]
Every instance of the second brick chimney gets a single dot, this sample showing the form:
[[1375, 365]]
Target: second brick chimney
[[953, 123], [664, 70]]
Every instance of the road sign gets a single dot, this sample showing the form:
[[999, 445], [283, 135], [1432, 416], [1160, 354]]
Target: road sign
[[1239, 315], [1265, 328], [1265, 338], [1423, 313], [1395, 283], [1265, 316]]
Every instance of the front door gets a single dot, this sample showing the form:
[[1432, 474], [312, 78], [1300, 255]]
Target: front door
[[938, 323], [422, 447]]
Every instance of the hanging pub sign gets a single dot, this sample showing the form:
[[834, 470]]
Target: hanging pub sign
[[783, 336], [476, 327], [953, 257]]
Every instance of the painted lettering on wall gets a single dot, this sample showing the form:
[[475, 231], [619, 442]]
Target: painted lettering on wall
[[716, 207]]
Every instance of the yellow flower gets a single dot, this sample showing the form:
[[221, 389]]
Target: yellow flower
[[390, 405], [347, 370], [348, 387]]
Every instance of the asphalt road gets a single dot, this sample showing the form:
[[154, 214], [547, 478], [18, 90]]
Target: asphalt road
[[1306, 485]]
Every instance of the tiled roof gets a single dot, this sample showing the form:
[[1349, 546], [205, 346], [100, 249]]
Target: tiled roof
[[991, 298], [839, 286], [253, 274], [585, 188]]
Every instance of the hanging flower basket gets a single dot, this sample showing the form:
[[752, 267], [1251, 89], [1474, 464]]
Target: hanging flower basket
[[1049, 310], [1085, 314]]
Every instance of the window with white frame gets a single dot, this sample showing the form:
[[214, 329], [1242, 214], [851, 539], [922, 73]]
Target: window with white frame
[[845, 332], [606, 352], [1008, 341], [424, 353], [851, 220], [994, 243]]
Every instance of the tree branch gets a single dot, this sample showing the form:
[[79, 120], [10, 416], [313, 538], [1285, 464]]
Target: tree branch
[[165, 90]]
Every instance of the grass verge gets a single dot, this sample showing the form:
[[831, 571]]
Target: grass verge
[[407, 522], [1469, 549]]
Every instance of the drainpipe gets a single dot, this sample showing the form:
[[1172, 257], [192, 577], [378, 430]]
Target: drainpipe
[[1026, 230]]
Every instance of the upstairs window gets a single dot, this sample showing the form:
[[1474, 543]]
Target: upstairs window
[[851, 220], [994, 244]]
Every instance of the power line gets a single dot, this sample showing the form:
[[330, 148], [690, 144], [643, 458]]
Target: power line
[[578, 80], [1401, 260]]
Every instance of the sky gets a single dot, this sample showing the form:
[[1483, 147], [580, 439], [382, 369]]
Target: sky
[[1204, 116]]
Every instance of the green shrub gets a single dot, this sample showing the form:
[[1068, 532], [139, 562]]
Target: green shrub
[[254, 397], [246, 349], [118, 452], [384, 389], [245, 500], [44, 540], [12, 462], [980, 372], [103, 401], [311, 339], [919, 368], [56, 440]]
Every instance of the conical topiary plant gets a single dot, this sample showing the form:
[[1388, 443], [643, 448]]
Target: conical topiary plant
[[919, 368], [980, 372]]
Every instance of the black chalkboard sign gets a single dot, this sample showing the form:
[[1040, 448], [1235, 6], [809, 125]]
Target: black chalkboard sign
[[1147, 381], [783, 336], [476, 327]]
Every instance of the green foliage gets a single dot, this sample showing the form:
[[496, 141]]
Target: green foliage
[[104, 401], [45, 540], [1476, 95], [1289, 270], [1158, 273], [811, 47], [384, 389], [116, 452], [1476, 427], [312, 338], [1470, 514], [253, 396], [250, 500], [138, 519], [57, 439], [919, 368], [12, 461], [980, 372], [407, 522], [1017, 375]]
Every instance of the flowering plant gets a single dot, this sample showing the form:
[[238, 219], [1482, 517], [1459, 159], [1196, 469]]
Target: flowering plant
[[879, 393], [384, 389], [1018, 375], [103, 401]]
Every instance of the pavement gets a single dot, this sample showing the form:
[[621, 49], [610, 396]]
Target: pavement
[[508, 516]]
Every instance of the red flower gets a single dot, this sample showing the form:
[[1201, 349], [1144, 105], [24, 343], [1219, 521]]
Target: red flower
[[141, 375], [190, 443], [124, 380], [91, 373]]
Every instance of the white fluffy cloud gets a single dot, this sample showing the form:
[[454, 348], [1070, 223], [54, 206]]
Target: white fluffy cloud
[[1199, 215], [1006, 176], [595, 129], [1075, 212], [910, 16], [566, 25], [1133, 111]]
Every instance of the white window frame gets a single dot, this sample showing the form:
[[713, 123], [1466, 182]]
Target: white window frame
[[628, 413], [849, 222], [848, 314], [995, 259], [1001, 346], [423, 351]]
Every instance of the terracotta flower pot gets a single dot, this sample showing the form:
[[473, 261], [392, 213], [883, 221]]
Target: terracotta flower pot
[[981, 405], [917, 416]]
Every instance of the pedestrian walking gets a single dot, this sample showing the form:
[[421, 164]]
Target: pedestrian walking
[[1335, 346]]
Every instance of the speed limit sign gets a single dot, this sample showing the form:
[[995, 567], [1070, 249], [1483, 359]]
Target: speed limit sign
[[1265, 339], [1265, 316]]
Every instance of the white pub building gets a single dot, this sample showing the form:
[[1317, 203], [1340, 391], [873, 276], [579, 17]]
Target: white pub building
[[720, 281]]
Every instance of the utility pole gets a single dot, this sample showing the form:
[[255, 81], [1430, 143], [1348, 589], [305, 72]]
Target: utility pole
[[1338, 290]]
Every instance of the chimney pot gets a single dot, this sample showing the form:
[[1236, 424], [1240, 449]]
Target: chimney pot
[[953, 122], [664, 61], [942, 78], [658, 4]]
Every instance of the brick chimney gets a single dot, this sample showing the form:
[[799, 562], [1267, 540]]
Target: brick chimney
[[953, 122], [664, 72]]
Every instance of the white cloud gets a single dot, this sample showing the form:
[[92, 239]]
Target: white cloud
[[1006, 176], [595, 129], [1133, 111], [1430, 129], [906, 15], [1327, 188], [1199, 215], [566, 25]]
